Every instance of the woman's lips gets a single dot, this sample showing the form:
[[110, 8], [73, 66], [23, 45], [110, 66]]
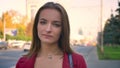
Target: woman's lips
[[47, 36]]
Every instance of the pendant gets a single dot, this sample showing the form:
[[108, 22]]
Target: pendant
[[49, 57]]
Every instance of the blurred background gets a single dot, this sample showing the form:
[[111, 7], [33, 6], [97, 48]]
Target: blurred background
[[94, 24], [16, 17]]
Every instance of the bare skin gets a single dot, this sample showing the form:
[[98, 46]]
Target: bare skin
[[49, 61]]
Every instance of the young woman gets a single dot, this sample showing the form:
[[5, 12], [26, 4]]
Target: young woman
[[50, 44]]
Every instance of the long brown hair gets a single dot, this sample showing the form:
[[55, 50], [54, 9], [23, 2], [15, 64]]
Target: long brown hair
[[64, 43]]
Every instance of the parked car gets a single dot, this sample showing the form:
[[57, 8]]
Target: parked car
[[3, 45], [17, 44], [26, 46]]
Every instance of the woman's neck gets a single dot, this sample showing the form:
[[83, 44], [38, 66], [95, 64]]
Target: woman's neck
[[51, 49]]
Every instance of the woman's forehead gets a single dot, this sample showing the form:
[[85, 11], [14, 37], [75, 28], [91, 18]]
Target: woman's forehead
[[50, 14]]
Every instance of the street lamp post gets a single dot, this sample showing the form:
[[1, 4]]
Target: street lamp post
[[101, 11]]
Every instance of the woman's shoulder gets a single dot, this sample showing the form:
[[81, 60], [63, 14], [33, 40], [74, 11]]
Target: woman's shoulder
[[25, 61], [77, 56], [22, 59], [78, 60], [26, 58]]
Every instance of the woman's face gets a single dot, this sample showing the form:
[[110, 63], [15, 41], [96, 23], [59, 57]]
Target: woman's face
[[49, 26]]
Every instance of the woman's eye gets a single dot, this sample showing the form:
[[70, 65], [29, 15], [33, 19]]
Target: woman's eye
[[42, 22], [57, 25]]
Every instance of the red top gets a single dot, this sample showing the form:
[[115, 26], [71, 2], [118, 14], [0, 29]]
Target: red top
[[78, 61]]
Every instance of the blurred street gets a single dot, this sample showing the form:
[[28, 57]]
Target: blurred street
[[91, 57], [8, 58]]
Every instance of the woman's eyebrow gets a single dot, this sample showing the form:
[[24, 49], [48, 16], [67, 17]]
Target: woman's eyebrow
[[57, 21], [43, 19]]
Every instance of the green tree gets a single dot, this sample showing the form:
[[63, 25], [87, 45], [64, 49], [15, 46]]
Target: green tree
[[14, 20], [112, 29]]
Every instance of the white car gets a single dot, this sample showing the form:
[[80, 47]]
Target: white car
[[26, 46], [3, 45], [17, 44]]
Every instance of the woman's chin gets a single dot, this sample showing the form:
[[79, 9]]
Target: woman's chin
[[47, 42]]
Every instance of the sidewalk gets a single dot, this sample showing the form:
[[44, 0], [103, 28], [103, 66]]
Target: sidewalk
[[93, 61]]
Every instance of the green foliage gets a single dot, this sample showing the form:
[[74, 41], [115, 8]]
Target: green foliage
[[18, 37], [110, 52], [20, 31], [1, 36], [111, 33]]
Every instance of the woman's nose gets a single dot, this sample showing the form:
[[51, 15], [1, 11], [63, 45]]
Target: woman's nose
[[48, 28]]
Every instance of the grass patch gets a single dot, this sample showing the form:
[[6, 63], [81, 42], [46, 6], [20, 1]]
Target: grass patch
[[110, 53]]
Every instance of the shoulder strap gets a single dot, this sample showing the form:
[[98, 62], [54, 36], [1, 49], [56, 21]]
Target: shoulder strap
[[70, 60]]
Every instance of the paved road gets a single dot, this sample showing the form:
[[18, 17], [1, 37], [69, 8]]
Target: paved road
[[90, 54], [8, 58]]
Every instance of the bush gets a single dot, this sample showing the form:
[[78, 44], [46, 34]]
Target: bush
[[19, 37]]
